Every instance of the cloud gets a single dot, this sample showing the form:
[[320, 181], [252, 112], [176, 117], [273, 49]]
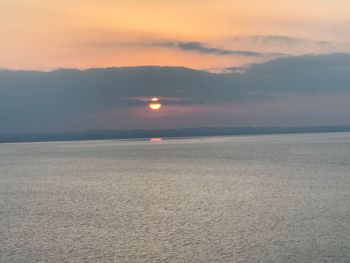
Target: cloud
[[305, 90], [190, 46], [268, 39], [277, 40], [234, 70], [201, 48]]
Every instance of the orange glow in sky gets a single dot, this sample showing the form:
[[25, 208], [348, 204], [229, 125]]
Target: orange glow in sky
[[100, 33]]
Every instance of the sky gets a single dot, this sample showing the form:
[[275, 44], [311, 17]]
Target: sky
[[200, 34], [95, 64]]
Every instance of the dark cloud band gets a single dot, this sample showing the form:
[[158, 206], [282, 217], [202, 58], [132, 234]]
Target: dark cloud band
[[38, 100]]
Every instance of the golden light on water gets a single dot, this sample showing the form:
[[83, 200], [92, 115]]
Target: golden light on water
[[155, 104], [155, 139]]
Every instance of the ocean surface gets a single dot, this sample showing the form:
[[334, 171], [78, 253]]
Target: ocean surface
[[267, 198]]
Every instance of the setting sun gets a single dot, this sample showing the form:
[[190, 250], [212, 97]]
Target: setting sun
[[155, 104]]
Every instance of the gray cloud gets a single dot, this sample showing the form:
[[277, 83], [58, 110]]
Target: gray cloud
[[306, 90], [200, 47], [277, 39], [234, 70], [192, 46]]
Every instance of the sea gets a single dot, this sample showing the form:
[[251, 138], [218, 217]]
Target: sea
[[266, 198]]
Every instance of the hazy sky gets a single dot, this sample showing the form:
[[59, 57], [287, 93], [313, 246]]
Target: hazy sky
[[293, 91], [201, 34], [230, 63]]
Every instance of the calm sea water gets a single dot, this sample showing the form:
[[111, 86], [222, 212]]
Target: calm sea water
[[275, 198]]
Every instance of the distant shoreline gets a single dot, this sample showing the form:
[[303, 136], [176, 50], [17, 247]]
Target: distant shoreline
[[166, 133]]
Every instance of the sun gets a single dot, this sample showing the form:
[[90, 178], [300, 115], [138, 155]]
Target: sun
[[155, 104]]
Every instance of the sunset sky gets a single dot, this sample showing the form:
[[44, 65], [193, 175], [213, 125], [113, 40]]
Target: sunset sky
[[95, 64], [201, 34]]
